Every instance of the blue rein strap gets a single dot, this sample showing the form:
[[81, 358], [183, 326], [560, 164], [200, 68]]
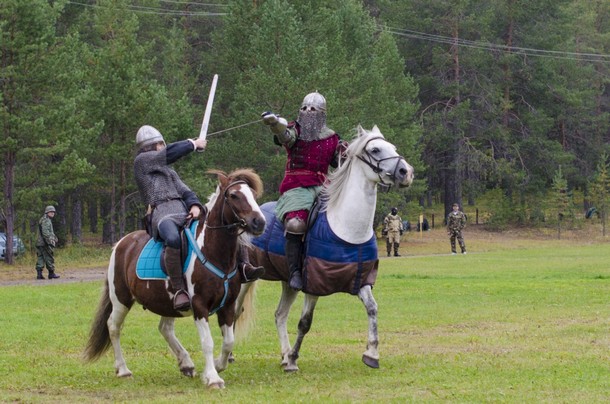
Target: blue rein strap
[[210, 267]]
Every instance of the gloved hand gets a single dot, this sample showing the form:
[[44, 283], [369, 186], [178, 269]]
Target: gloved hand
[[269, 118], [276, 123], [199, 144], [401, 232]]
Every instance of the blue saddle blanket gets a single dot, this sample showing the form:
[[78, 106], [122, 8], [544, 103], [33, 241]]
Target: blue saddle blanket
[[149, 261], [320, 241], [331, 264]]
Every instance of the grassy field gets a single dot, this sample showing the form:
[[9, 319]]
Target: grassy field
[[521, 318]]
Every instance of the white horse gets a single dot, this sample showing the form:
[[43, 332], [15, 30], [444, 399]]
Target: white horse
[[340, 246]]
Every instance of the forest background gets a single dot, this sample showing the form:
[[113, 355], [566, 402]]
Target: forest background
[[505, 101]]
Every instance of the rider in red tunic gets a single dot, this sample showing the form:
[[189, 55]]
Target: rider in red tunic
[[311, 147]]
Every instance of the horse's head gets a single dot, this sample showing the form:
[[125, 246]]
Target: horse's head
[[387, 166], [237, 193]]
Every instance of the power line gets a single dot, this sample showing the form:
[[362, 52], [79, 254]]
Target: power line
[[578, 56], [159, 10], [194, 4]]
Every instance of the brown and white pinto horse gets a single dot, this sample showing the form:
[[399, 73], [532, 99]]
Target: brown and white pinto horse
[[211, 277]]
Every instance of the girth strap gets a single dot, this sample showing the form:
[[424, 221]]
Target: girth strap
[[210, 267]]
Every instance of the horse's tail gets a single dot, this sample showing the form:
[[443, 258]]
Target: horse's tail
[[99, 336], [245, 303]]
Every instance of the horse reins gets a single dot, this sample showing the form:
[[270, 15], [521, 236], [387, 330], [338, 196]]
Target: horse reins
[[203, 259], [376, 168], [239, 223]]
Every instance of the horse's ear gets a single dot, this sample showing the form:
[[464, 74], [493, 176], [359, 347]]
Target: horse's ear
[[361, 131], [223, 180], [375, 129]]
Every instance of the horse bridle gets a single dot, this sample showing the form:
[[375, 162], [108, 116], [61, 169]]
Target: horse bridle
[[239, 223], [376, 168]]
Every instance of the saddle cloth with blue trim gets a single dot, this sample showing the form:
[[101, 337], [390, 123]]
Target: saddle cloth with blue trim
[[331, 264], [148, 266]]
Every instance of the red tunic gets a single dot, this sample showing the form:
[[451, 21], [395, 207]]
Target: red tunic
[[308, 162]]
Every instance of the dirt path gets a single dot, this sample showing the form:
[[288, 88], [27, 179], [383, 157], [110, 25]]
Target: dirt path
[[24, 277]]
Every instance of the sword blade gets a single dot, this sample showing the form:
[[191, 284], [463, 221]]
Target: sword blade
[[208, 109]]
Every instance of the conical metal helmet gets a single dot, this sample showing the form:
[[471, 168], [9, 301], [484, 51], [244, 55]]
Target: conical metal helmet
[[315, 101], [148, 135]]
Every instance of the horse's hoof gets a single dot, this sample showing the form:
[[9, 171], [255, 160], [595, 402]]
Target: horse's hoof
[[188, 372], [370, 362], [291, 368], [231, 358], [125, 375], [217, 385]]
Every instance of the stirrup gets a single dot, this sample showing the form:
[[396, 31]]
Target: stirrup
[[182, 305]]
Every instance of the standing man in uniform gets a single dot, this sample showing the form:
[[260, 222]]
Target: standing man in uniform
[[392, 227], [45, 244], [311, 147], [456, 221]]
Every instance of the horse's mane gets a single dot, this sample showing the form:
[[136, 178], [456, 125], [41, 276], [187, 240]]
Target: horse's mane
[[242, 174], [337, 179]]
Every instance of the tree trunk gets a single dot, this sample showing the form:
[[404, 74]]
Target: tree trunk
[[60, 221], [453, 180], [105, 211], [506, 68], [92, 213], [76, 224], [9, 210], [122, 213]]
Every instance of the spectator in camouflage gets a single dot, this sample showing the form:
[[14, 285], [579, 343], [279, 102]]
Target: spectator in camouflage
[[456, 221]]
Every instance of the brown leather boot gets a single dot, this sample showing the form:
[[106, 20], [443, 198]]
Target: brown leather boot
[[247, 271], [182, 301]]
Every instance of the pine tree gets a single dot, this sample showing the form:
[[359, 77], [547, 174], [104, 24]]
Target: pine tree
[[600, 190]]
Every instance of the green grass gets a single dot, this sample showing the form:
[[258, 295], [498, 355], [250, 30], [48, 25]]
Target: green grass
[[521, 325]]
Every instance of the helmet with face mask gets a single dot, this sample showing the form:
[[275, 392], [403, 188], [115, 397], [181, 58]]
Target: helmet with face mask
[[312, 116], [394, 211]]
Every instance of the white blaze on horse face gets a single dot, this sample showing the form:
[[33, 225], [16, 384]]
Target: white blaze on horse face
[[245, 189]]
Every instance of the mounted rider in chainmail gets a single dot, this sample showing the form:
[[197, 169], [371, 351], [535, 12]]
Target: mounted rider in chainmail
[[172, 203], [311, 147]]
